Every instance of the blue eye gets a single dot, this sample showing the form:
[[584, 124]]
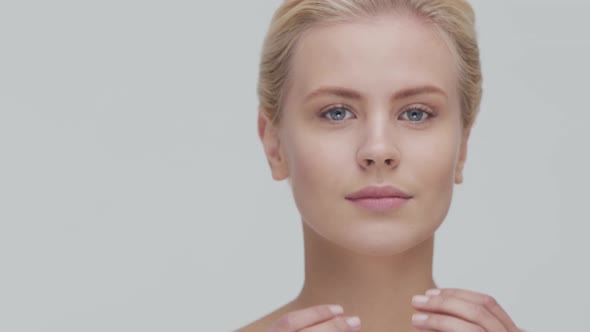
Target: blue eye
[[415, 114], [336, 113]]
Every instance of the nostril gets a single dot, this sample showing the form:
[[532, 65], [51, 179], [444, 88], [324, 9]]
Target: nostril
[[388, 162]]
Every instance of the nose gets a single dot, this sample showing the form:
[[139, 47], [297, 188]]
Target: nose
[[378, 151]]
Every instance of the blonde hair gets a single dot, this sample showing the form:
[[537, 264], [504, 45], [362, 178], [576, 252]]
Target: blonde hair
[[453, 17]]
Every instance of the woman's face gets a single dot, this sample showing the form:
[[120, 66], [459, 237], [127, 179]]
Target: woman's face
[[370, 103]]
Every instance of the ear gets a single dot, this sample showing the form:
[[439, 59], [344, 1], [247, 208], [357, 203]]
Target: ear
[[269, 136], [462, 155]]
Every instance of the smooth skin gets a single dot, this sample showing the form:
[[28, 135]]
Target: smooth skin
[[373, 102]]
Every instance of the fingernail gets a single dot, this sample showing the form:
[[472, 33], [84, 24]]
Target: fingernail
[[419, 317], [353, 322], [336, 309], [433, 292], [420, 299]]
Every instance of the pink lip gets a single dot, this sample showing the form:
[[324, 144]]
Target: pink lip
[[379, 198]]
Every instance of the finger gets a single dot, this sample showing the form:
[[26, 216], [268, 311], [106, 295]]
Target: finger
[[483, 299], [459, 308], [443, 323], [300, 319], [338, 324]]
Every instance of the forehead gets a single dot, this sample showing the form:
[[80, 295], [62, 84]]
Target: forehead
[[376, 56]]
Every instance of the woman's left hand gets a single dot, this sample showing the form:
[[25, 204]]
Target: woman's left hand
[[451, 310]]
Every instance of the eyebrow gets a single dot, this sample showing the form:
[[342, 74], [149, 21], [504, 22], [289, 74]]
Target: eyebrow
[[352, 94]]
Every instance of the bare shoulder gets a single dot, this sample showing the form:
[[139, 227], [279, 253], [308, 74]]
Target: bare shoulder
[[263, 324]]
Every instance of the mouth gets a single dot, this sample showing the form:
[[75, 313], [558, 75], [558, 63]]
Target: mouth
[[380, 204], [379, 198]]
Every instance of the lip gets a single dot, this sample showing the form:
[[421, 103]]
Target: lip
[[378, 192], [379, 198]]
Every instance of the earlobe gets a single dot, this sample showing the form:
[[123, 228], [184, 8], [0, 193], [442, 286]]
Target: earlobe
[[462, 156], [269, 136], [458, 178]]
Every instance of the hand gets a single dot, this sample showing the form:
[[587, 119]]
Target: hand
[[322, 318], [450, 310]]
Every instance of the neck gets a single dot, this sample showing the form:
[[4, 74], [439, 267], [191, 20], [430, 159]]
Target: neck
[[377, 289]]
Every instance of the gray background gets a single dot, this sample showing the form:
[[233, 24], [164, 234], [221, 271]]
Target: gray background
[[134, 194]]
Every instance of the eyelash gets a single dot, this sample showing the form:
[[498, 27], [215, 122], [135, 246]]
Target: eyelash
[[429, 114]]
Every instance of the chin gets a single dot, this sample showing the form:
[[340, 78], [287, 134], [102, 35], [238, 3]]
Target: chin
[[382, 239], [394, 244]]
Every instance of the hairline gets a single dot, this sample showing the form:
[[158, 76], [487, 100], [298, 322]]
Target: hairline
[[359, 17]]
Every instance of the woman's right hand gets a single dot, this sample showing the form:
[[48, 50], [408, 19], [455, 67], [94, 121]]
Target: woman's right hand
[[322, 318]]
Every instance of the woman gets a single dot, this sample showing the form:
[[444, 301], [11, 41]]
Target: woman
[[366, 108]]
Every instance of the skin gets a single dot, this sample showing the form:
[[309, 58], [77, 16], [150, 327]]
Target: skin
[[372, 263]]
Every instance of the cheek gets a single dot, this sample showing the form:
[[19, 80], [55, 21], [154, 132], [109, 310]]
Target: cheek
[[431, 164], [434, 160], [316, 164]]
